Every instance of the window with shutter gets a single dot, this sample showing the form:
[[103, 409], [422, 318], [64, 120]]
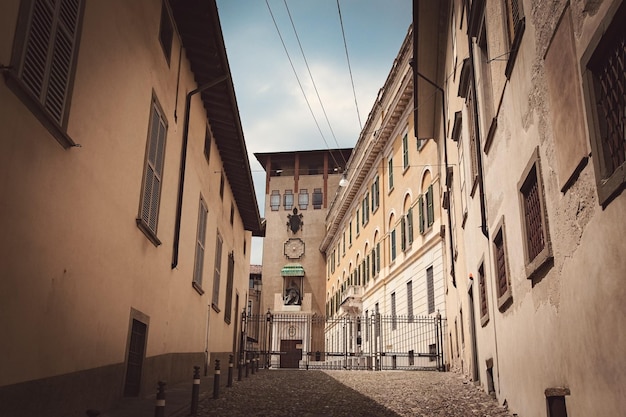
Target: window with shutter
[[409, 225], [200, 244], [403, 233], [420, 205], [217, 273], [392, 242], [153, 174], [430, 210], [230, 276], [44, 63], [430, 285]]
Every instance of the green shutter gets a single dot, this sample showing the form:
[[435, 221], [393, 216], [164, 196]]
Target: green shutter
[[420, 204], [430, 207]]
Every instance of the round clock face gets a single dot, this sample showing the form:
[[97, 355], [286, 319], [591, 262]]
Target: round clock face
[[294, 248]]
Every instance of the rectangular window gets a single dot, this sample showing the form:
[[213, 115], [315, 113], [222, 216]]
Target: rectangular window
[[501, 267], [350, 233], [409, 300], [377, 258], [318, 198], [44, 61], [430, 287], [207, 143], [166, 32], [232, 214], [394, 320], [366, 209], [200, 242], [288, 200], [343, 244], [536, 240], [375, 194], [430, 207], [357, 222], [230, 275], [471, 120], [390, 173], [392, 242], [153, 174], [482, 288], [420, 206], [303, 199], [217, 272], [409, 225], [222, 184], [403, 233], [605, 82], [275, 200], [405, 151]]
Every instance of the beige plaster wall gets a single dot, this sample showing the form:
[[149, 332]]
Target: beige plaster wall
[[74, 261]]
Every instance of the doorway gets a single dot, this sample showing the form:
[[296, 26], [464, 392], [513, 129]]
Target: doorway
[[136, 349], [291, 353]]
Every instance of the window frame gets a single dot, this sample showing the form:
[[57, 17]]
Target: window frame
[[483, 300], [503, 296], [198, 270], [608, 184], [217, 271], [545, 255], [16, 80], [288, 195], [157, 169], [274, 194]]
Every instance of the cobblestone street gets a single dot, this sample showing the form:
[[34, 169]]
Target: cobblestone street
[[352, 393]]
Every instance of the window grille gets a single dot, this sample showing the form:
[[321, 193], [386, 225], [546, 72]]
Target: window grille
[[608, 65], [484, 312], [503, 283], [535, 239], [513, 18]]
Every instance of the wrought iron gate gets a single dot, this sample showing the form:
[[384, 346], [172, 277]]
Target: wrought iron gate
[[373, 342]]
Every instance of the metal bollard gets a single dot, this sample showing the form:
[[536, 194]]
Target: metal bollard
[[247, 367], [92, 413], [252, 363], [159, 408], [230, 371], [195, 390], [216, 380], [240, 370]]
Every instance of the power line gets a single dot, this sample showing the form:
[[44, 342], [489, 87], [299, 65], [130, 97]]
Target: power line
[[299, 83], [345, 45], [312, 80]]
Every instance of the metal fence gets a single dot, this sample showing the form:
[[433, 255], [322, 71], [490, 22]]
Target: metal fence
[[376, 342]]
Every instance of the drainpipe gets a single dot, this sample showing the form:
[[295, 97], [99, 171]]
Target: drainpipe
[[183, 163]]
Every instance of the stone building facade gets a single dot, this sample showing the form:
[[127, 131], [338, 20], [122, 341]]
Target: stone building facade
[[533, 131]]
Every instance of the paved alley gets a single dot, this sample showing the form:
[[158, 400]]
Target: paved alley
[[285, 393]]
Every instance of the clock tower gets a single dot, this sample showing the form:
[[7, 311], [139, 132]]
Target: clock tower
[[299, 189]]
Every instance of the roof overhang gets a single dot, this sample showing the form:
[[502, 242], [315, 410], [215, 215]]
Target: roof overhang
[[201, 33]]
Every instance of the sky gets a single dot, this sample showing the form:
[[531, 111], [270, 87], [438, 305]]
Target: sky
[[273, 109]]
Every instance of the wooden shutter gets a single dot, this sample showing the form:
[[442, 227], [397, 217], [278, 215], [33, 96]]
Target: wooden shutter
[[429, 206], [230, 276], [49, 53], [420, 204], [154, 170], [200, 243]]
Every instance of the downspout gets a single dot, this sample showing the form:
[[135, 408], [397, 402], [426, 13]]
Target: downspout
[[183, 163], [416, 73]]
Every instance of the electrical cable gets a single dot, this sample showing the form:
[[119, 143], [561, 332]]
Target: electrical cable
[[345, 45]]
